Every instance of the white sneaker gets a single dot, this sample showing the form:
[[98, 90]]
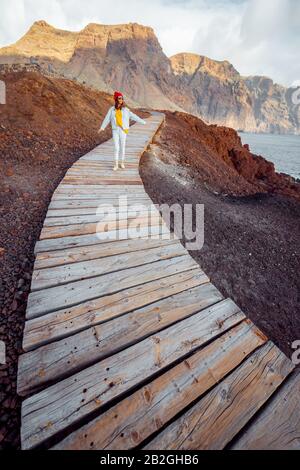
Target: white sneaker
[[122, 165], [116, 167]]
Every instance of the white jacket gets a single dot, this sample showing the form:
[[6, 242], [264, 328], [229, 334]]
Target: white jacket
[[126, 115]]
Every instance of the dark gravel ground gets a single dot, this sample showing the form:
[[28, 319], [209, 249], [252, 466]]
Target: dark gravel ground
[[251, 246]]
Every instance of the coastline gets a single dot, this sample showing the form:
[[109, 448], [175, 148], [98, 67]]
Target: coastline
[[281, 149]]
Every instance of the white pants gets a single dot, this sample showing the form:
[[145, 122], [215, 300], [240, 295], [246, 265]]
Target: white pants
[[119, 137]]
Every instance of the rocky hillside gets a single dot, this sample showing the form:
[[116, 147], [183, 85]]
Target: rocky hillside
[[129, 57], [221, 95]]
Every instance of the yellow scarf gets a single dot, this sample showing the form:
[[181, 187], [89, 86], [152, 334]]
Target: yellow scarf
[[119, 120]]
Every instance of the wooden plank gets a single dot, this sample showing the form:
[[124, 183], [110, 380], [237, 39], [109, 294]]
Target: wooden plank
[[65, 403], [100, 188], [65, 196], [132, 154], [79, 229], [105, 173], [64, 204], [130, 165], [87, 165], [110, 212], [224, 411], [130, 174], [99, 166], [103, 180], [68, 188], [277, 427], [73, 255], [152, 232], [85, 211], [102, 171], [67, 295], [99, 191], [69, 355], [58, 275], [59, 324], [134, 419], [108, 156], [100, 195]]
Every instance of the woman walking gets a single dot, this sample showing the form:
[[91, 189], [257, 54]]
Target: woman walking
[[119, 115]]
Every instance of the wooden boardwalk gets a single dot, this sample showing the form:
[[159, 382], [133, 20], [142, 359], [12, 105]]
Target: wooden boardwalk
[[127, 342]]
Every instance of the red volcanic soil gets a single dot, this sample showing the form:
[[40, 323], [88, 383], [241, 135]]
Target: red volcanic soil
[[251, 218], [45, 126]]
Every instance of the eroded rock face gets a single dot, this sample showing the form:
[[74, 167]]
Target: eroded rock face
[[129, 57], [223, 96], [218, 159]]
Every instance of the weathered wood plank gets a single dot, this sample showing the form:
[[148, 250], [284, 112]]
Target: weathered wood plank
[[224, 411], [67, 295], [62, 323], [85, 253], [65, 196], [109, 213], [69, 355], [103, 180], [65, 403], [277, 427], [114, 197], [99, 165], [63, 358], [134, 419], [86, 229], [99, 192], [92, 172], [109, 156], [58, 275], [82, 188], [151, 231], [80, 204], [84, 211]]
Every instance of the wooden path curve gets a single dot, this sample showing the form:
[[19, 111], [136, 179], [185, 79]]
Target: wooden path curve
[[127, 342]]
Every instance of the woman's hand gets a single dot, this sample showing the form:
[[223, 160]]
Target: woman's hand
[[100, 130]]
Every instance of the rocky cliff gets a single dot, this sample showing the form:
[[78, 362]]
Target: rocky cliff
[[129, 57]]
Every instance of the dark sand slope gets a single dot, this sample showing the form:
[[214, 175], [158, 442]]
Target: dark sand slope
[[45, 126], [252, 222]]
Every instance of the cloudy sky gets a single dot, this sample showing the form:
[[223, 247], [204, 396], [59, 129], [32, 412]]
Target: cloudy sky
[[256, 36]]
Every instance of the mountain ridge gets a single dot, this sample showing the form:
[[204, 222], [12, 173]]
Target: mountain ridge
[[129, 57]]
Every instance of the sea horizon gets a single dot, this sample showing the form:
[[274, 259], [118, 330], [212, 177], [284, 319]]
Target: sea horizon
[[281, 149]]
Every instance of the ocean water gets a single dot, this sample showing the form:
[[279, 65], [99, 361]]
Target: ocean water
[[282, 150]]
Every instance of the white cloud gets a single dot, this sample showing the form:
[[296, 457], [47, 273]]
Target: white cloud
[[257, 37]]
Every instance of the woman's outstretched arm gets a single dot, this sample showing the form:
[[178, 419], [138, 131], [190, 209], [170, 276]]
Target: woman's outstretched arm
[[134, 117]]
